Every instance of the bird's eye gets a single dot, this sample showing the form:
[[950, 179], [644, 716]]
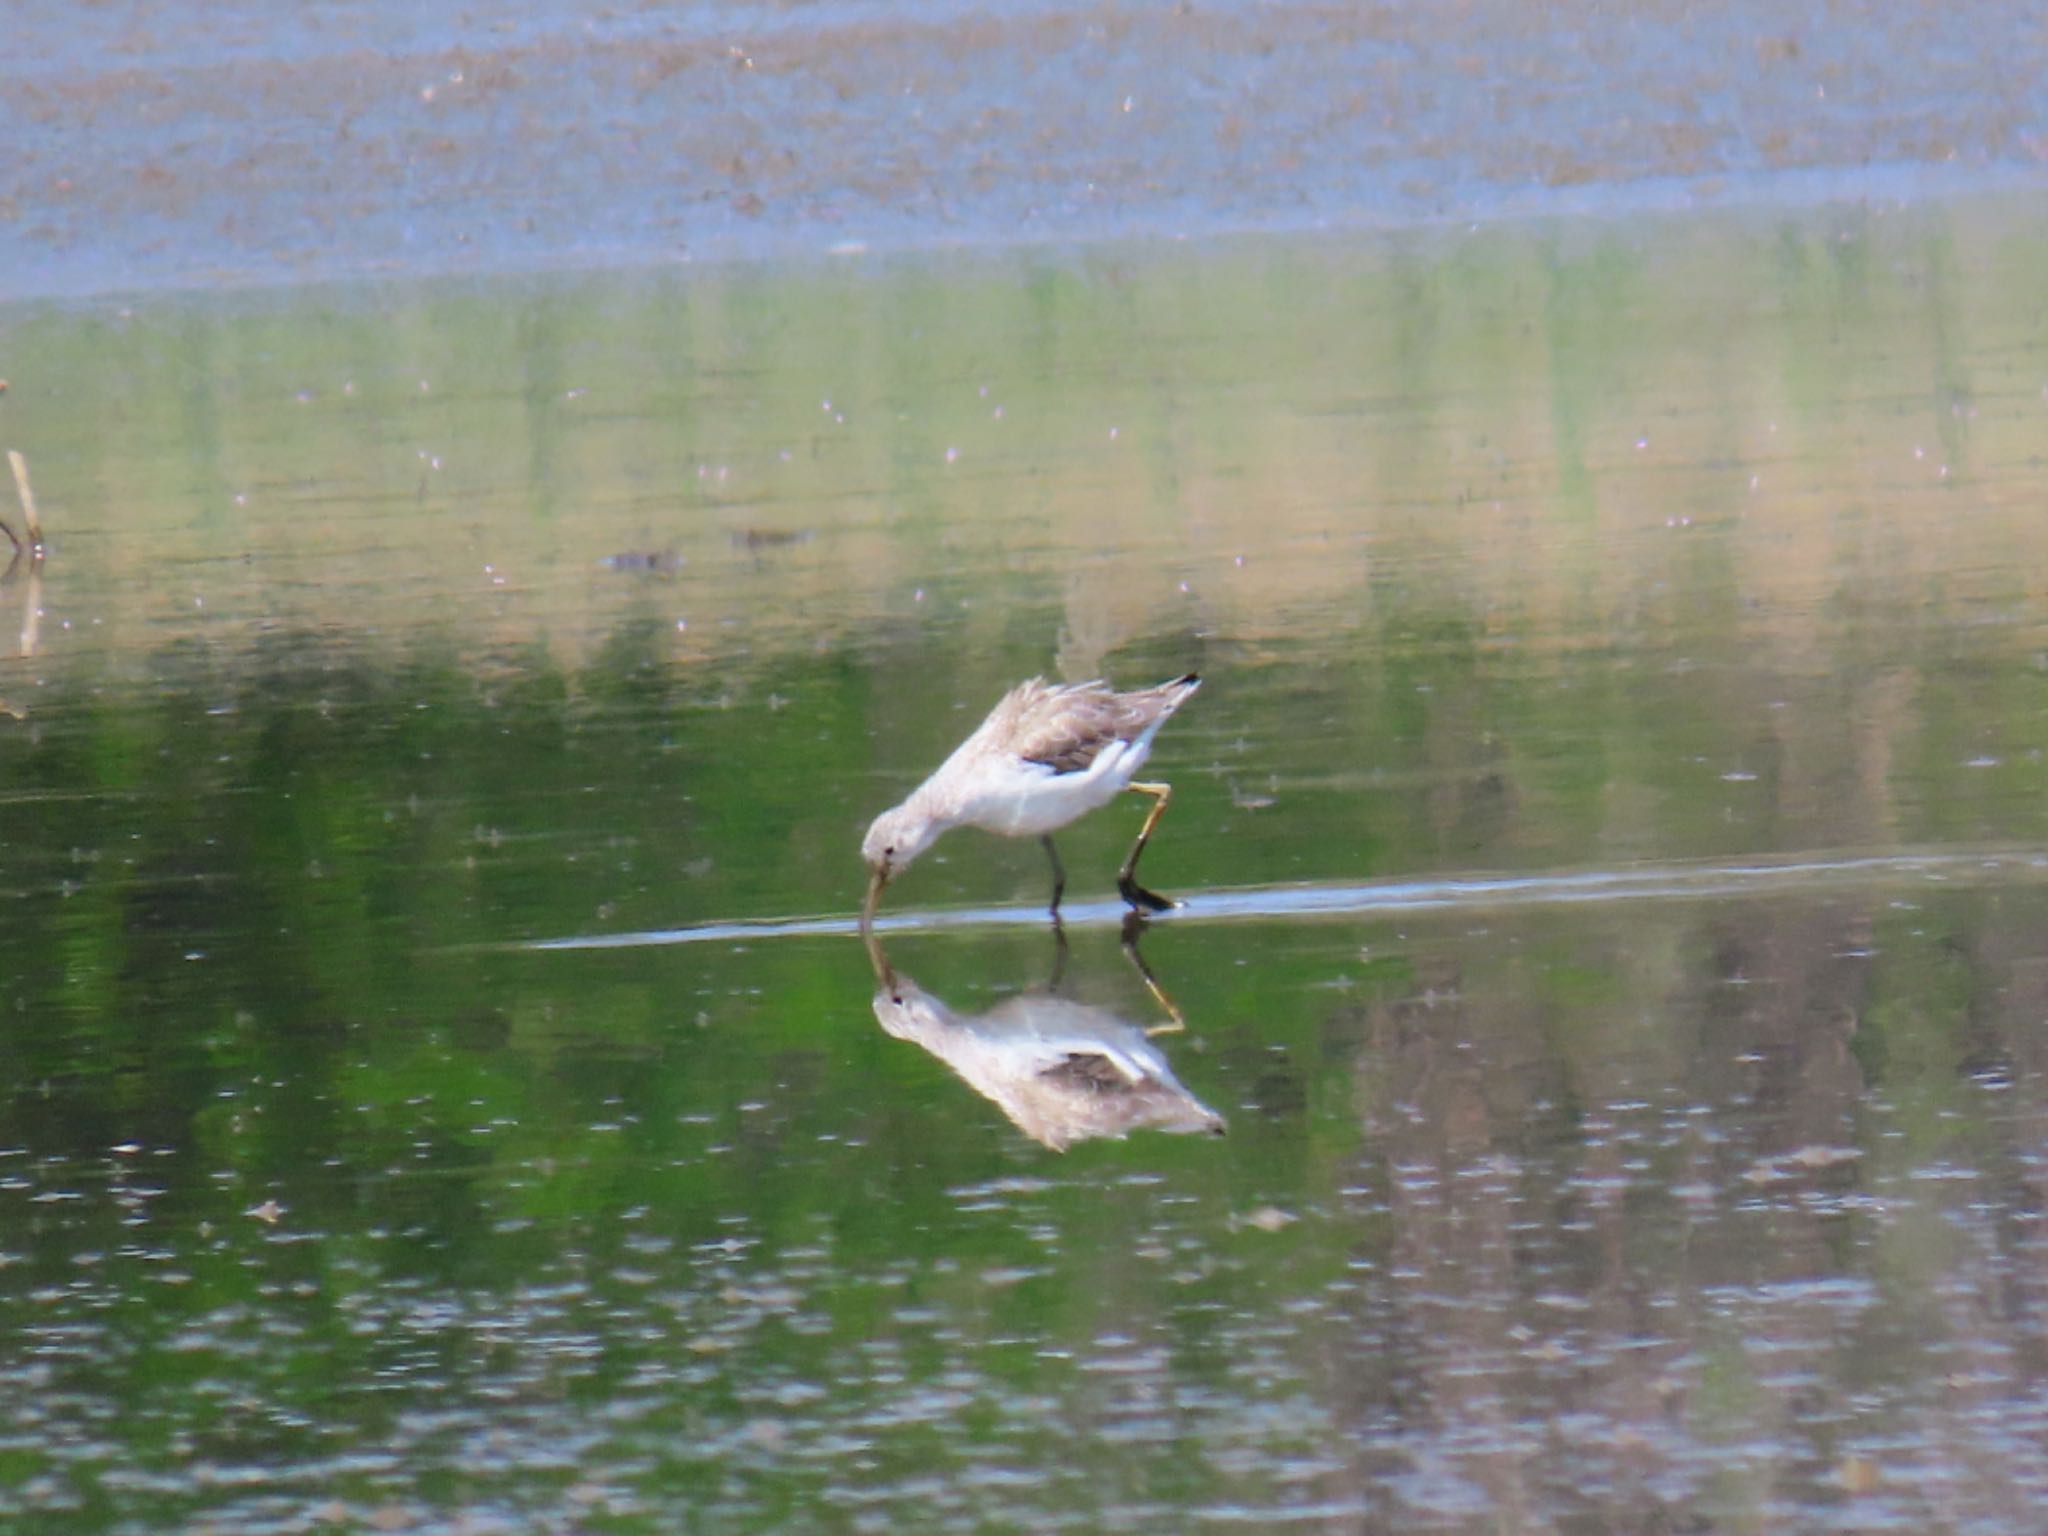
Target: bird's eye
[[889, 853]]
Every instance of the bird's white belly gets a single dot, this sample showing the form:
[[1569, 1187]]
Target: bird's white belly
[[1031, 800]]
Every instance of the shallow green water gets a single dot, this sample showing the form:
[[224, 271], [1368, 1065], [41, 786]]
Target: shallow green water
[[385, 632]]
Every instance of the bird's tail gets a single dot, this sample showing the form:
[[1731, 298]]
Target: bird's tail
[[1156, 703]]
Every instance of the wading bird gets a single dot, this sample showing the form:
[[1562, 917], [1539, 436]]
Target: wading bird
[[1046, 755]]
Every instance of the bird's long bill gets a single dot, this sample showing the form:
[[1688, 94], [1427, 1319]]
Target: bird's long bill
[[877, 878], [884, 972]]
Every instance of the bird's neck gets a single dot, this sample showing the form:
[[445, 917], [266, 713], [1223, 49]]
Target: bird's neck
[[923, 818], [930, 801]]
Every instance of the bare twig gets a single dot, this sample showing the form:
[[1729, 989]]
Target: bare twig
[[27, 493], [32, 606]]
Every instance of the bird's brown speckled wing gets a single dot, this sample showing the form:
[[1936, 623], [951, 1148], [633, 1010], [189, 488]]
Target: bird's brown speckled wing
[[1084, 1070], [1065, 727]]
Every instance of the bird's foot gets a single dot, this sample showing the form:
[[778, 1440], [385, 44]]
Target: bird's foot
[[1142, 899]]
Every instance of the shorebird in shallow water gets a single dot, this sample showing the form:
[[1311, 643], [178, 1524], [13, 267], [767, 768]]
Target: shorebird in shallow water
[[1046, 755]]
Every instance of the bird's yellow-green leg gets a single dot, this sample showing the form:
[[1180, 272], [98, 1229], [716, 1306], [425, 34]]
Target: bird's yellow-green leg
[[1127, 878], [1134, 924]]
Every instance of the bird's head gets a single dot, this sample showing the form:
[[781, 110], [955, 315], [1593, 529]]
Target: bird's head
[[897, 837]]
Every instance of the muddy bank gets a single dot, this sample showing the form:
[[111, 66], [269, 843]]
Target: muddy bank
[[148, 148]]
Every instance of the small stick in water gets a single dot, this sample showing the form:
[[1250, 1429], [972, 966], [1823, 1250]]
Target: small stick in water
[[22, 488]]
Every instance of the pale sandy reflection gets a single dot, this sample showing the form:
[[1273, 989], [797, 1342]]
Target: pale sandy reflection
[[1062, 1071]]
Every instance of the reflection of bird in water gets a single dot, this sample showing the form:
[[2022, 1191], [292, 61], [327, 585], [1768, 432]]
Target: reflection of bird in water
[[1046, 755], [1062, 1071]]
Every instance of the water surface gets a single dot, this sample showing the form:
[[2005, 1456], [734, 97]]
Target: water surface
[[391, 635]]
